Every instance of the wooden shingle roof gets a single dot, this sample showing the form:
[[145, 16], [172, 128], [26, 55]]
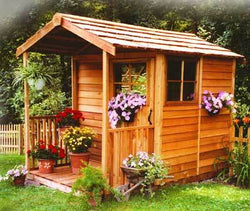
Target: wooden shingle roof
[[108, 35]]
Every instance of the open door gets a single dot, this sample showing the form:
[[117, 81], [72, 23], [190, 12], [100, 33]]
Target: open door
[[131, 76]]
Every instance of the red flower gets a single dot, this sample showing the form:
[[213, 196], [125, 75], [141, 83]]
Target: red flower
[[50, 146], [61, 150], [83, 118], [41, 141], [246, 120], [236, 121], [42, 146], [54, 150], [68, 110], [62, 155], [29, 151]]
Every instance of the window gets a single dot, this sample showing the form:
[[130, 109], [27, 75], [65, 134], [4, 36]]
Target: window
[[130, 77], [181, 79]]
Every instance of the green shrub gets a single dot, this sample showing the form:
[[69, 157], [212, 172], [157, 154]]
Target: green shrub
[[239, 161]]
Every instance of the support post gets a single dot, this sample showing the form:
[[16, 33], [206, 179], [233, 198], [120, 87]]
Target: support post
[[105, 98], [232, 130], [26, 114], [74, 83], [160, 78], [199, 115]]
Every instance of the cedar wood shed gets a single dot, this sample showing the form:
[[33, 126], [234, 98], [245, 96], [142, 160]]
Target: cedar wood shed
[[171, 68]]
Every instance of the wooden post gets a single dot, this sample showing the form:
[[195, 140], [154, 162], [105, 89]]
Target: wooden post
[[26, 114], [74, 83], [160, 99], [232, 129], [105, 98], [199, 115]]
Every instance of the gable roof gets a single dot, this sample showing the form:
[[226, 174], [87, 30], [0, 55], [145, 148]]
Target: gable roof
[[108, 35]]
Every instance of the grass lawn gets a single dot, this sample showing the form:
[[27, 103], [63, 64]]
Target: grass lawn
[[175, 198]]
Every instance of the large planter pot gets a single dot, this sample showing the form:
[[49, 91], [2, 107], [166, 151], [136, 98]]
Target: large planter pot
[[77, 161], [19, 181], [46, 166]]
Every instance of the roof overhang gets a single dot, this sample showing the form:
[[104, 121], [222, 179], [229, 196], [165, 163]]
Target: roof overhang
[[75, 35], [59, 21]]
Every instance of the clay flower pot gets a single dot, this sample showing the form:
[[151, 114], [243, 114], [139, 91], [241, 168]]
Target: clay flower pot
[[45, 166], [19, 181], [77, 161]]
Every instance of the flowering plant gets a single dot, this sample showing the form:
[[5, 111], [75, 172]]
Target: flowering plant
[[123, 107], [69, 117], [78, 139], [53, 152], [17, 171], [151, 164], [213, 104]]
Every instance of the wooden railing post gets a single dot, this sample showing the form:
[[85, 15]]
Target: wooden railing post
[[26, 114]]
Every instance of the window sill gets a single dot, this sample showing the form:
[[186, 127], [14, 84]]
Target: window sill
[[181, 103]]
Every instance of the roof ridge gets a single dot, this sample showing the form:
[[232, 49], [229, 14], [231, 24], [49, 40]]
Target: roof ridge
[[126, 25]]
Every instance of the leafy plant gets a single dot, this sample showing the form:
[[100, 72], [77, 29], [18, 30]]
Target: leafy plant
[[153, 166], [92, 185], [239, 161], [34, 74]]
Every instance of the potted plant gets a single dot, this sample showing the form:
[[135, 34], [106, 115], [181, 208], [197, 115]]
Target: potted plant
[[92, 186], [68, 118], [46, 156], [16, 175], [78, 140], [148, 166], [123, 107]]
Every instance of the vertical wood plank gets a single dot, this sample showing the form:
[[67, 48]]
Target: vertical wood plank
[[160, 68], [105, 88], [26, 114], [199, 115]]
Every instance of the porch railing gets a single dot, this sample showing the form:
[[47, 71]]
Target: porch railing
[[45, 128], [125, 141]]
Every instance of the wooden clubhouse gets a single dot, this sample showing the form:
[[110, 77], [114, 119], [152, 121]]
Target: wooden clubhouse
[[109, 57]]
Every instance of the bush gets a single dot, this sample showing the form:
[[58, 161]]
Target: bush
[[239, 161]]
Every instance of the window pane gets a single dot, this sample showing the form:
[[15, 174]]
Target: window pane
[[188, 91], [121, 72], [173, 91], [121, 88], [174, 70], [189, 70]]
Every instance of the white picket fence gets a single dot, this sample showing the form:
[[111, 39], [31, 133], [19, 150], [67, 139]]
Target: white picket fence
[[11, 139]]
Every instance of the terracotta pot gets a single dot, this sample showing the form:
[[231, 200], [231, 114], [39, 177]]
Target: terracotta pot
[[19, 181], [46, 166], [77, 161]]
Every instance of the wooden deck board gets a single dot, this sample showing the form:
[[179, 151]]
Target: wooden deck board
[[61, 179]]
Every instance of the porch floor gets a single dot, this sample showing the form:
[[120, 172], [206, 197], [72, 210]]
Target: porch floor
[[61, 179]]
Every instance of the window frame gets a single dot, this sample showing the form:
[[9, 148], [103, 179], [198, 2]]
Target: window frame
[[182, 81], [129, 61]]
